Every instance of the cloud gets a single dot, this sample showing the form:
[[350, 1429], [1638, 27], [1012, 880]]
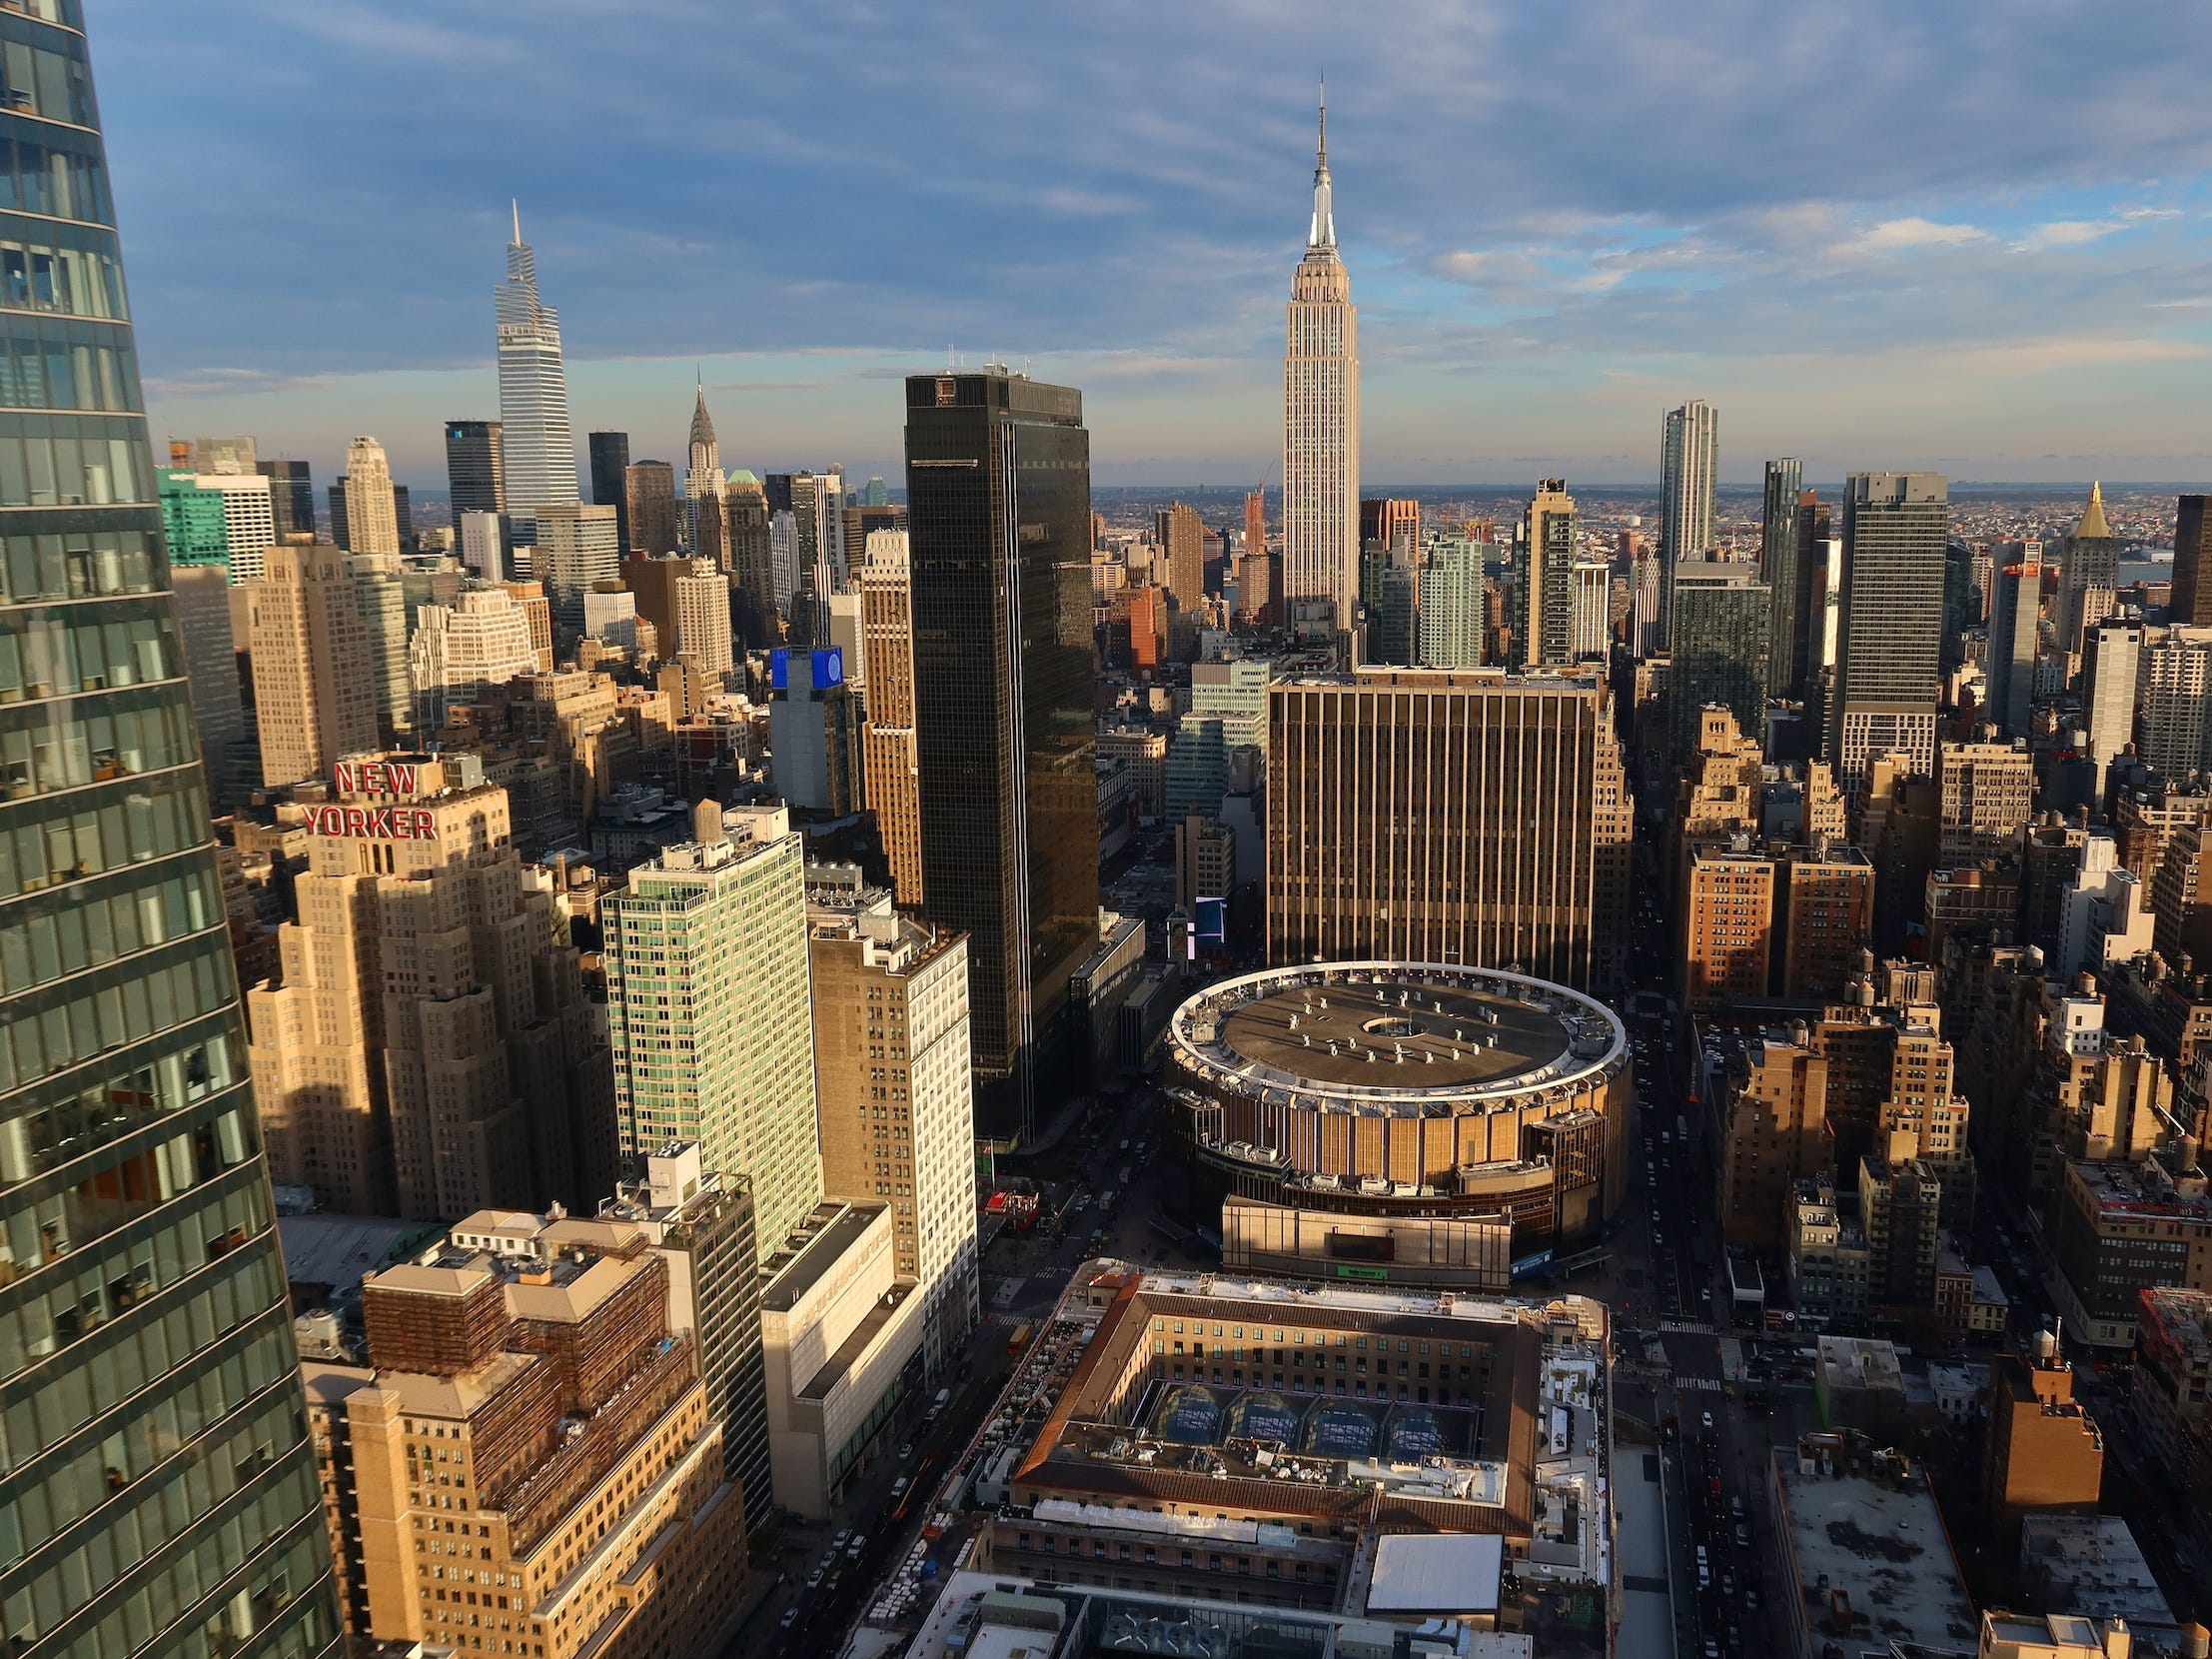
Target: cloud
[[1902, 234], [1124, 189]]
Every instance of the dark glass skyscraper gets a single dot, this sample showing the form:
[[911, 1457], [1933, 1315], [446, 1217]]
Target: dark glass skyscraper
[[1777, 568], [474, 472], [291, 496], [158, 1493], [610, 464], [1890, 634], [999, 492]]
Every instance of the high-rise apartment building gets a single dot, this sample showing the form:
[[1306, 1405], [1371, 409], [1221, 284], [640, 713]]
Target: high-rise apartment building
[[1000, 514], [1774, 1133], [750, 546], [1459, 817], [291, 496], [219, 518], [576, 547], [1988, 786], [160, 1490], [1689, 452], [609, 458], [2173, 700], [1321, 420], [529, 1382], [1390, 521], [1181, 535], [428, 1048], [1450, 587], [888, 761], [476, 475], [537, 450], [708, 1003], [702, 619], [1890, 623], [1587, 641], [1777, 568], [2191, 604], [372, 517], [2015, 613], [2111, 655], [702, 486], [379, 593], [1728, 925], [1722, 618], [308, 643], [1544, 578], [895, 1095], [648, 486], [1826, 916]]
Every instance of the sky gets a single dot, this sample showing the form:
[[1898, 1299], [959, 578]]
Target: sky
[[1930, 233]]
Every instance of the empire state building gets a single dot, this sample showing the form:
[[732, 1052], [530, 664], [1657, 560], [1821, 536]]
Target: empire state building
[[1321, 420]]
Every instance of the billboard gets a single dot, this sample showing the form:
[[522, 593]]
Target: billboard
[[827, 667]]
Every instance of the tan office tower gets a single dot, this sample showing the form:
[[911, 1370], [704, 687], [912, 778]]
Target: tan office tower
[[649, 490], [1460, 817], [372, 515], [542, 1418], [890, 777], [427, 1049], [314, 702], [1182, 538], [1321, 421], [700, 601], [750, 549], [894, 1093]]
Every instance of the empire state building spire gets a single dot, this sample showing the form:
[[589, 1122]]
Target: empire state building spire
[[1323, 233], [1321, 426]]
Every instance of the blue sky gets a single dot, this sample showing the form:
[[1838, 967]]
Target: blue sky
[[1965, 236]]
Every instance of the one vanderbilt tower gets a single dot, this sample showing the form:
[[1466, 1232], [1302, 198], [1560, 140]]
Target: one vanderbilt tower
[[1321, 423]]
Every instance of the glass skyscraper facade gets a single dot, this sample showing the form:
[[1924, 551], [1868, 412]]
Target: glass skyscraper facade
[[157, 1488], [999, 492]]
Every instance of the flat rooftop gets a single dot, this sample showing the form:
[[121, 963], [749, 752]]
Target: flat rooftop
[[829, 1231], [1425, 1035], [1879, 1542]]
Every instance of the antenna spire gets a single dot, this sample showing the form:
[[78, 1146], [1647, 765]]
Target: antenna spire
[[1322, 152], [516, 205], [1323, 231]]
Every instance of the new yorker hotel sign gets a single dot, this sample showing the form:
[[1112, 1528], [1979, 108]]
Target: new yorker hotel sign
[[383, 823]]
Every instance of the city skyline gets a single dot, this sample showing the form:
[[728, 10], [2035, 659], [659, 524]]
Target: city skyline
[[1532, 304]]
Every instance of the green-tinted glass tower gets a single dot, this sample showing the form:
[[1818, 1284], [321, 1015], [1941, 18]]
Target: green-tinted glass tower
[[157, 1488], [192, 523]]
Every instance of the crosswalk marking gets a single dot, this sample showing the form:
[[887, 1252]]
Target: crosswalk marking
[[1710, 1386], [1686, 1328]]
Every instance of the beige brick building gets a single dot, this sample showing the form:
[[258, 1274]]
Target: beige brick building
[[891, 775], [314, 700], [527, 1464]]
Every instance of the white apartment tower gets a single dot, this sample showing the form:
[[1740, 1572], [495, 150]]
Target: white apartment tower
[[1321, 419], [249, 521], [538, 454], [709, 1009], [372, 515]]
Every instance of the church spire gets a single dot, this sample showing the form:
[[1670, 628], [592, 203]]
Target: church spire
[[1323, 232]]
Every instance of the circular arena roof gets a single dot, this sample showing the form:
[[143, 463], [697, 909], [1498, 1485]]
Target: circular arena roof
[[1358, 1034]]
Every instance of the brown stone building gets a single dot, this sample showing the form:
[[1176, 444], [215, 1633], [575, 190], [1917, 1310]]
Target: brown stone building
[[2045, 1452], [1773, 1132], [1728, 925], [1460, 817], [1988, 792], [1825, 915], [527, 1464]]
